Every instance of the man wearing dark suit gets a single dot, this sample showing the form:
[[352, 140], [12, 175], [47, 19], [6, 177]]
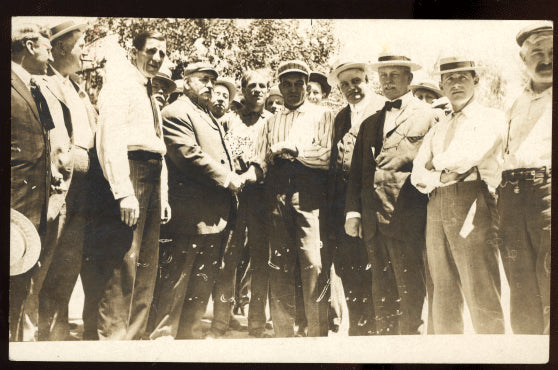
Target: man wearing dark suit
[[30, 150], [202, 184], [383, 207], [349, 253]]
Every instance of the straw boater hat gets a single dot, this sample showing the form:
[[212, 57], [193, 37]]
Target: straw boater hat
[[321, 79], [289, 66], [164, 76], [229, 85], [456, 64], [199, 67], [391, 60], [66, 27], [533, 28], [25, 243], [427, 85], [341, 65]]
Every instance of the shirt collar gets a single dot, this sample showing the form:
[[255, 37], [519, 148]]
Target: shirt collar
[[22, 73], [245, 112], [529, 90], [140, 78], [301, 108], [60, 77], [404, 99], [471, 108]]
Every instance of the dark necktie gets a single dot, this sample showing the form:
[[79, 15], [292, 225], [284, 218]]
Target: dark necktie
[[154, 108], [393, 104], [42, 107]]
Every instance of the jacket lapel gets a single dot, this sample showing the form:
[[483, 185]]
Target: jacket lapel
[[25, 93]]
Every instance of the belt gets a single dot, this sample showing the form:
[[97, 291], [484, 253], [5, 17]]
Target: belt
[[142, 155], [526, 174]]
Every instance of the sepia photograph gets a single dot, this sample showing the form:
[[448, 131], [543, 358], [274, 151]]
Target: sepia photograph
[[285, 190]]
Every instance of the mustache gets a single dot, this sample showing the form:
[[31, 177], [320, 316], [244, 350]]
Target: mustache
[[543, 67]]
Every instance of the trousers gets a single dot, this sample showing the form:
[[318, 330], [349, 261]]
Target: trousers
[[463, 258], [120, 263], [525, 252]]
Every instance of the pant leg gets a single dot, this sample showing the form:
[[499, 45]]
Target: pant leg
[[447, 297], [429, 294], [469, 232], [200, 285]]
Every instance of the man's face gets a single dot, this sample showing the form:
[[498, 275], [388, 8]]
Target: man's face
[[352, 83], [395, 81], [255, 90], [274, 103], [315, 94], [200, 86], [426, 95], [76, 54], [159, 91], [40, 57], [150, 58], [220, 101], [538, 60], [459, 87], [293, 89]]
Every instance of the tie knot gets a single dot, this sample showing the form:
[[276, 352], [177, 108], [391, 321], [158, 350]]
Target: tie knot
[[393, 104], [33, 82]]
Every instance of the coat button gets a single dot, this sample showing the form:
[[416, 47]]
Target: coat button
[[222, 161]]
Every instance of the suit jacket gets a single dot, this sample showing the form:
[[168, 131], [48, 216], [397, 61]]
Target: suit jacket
[[198, 166], [384, 195], [30, 158]]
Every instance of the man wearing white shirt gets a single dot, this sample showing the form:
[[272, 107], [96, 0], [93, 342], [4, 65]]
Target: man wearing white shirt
[[120, 267], [459, 164], [349, 253], [526, 186], [382, 206]]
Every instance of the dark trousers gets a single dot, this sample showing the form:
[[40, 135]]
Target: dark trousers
[[120, 265], [64, 270], [398, 283], [463, 259], [249, 235], [183, 292], [525, 228], [352, 266], [295, 194]]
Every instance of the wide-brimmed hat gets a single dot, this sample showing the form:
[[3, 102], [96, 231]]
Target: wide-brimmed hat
[[199, 67], [164, 76], [531, 29], [393, 60], [229, 85], [342, 65], [66, 27], [25, 243], [322, 80], [427, 85], [291, 66], [456, 64]]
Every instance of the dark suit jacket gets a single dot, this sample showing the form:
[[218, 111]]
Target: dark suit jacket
[[198, 164], [384, 196], [30, 158]]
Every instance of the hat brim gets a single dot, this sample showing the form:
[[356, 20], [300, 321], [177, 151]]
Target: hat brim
[[230, 87], [434, 90], [170, 84], [293, 71], [23, 227], [210, 70], [81, 27], [394, 63], [475, 68], [332, 78]]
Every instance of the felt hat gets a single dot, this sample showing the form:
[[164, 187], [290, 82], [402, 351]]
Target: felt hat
[[427, 85], [25, 243], [391, 60], [456, 64], [531, 29], [341, 65], [322, 80], [199, 67], [229, 85], [293, 66], [66, 27], [164, 76]]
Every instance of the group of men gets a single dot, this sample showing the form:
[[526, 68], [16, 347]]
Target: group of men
[[404, 201]]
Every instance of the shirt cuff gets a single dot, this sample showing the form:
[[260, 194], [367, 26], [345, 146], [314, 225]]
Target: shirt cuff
[[228, 180], [123, 190], [352, 215]]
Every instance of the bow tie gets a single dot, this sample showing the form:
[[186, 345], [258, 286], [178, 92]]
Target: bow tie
[[393, 104]]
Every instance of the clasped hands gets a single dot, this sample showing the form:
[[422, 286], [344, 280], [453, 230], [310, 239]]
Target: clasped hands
[[283, 147], [237, 182]]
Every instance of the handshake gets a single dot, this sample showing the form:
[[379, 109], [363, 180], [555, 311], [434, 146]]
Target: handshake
[[237, 182]]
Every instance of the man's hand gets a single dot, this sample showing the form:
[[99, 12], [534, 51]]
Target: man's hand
[[446, 177], [353, 227], [165, 212], [129, 210], [284, 147], [237, 183]]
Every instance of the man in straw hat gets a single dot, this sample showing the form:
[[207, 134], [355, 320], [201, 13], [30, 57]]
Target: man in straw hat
[[31, 121], [526, 184], [390, 218], [349, 254], [296, 144], [459, 165], [202, 187]]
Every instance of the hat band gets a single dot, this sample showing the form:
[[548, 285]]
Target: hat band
[[455, 65], [393, 57]]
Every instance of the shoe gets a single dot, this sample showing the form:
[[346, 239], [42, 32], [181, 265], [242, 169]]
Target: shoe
[[213, 334], [240, 309], [301, 333], [234, 324], [260, 333], [334, 328], [269, 325]]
